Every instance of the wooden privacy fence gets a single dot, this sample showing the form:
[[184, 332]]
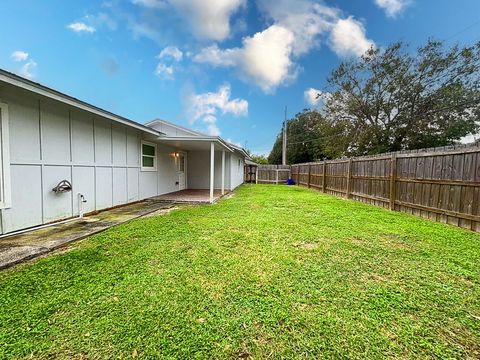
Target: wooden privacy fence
[[250, 173], [272, 174], [442, 185]]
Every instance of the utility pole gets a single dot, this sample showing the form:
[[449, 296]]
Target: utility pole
[[284, 139]]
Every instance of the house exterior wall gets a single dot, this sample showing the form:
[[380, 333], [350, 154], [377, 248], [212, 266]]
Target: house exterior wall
[[50, 141], [199, 170], [236, 170]]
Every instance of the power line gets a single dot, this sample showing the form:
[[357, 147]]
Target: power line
[[463, 30]]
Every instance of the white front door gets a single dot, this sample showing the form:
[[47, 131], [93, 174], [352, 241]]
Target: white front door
[[181, 166]]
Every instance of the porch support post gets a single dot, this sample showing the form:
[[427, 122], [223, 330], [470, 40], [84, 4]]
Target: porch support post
[[212, 169], [223, 172]]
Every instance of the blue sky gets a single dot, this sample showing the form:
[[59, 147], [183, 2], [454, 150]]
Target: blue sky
[[225, 67]]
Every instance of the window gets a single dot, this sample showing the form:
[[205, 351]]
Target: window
[[5, 191], [149, 156]]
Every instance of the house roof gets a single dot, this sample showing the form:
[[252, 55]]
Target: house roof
[[196, 136], [29, 85], [165, 122], [21, 82]]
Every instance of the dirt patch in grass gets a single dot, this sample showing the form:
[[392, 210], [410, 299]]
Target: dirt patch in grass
[[306, 245], [162, 212], [396, 241]]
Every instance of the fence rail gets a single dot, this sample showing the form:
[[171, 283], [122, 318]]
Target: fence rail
[[272, 174], [441, 185]]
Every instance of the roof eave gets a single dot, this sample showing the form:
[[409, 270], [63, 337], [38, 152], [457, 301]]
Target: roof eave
[[199, 138]]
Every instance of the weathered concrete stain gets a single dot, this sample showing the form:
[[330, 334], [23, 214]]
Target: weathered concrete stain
[[21, 247]]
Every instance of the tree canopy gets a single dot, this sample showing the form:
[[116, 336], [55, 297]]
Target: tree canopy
[[388, 100]]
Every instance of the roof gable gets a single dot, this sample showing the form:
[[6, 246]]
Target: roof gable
[[170, 129]]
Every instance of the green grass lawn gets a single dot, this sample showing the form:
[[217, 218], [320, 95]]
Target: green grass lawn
[[274, 272]]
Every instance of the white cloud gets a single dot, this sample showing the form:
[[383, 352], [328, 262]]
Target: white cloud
[[152, 4], [264, 58], [392, 7], [207, 106], [209, 20], [307, 20], [81, 27], [268, 58], [164, 72], [215, 56], [312, 96], [348, 38], [99, 20], [171, 52], [19, 56], [315, 97], [28, 69]]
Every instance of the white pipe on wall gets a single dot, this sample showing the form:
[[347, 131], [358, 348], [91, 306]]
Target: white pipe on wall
[[223, 172], [212, 169]]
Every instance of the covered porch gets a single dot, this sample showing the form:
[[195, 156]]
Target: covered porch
[[203, 169]]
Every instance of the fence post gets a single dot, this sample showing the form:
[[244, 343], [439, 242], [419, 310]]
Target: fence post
[[349, 178], [276, 179], [393, 176], [309, 170], [324, 177], [256, 175]]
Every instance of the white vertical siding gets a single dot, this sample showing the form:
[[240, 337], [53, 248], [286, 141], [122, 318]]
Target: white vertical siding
[[50, 142], [55, 132], [236, 167], [84, 180], [56, 206], [119, 141], [82, 138], [199, 170], [119, 186], [103, 187], [26, 210], [167, 170], [132, 181], [103, 142]]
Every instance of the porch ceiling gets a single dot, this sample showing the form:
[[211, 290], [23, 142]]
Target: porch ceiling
[[193, 144]]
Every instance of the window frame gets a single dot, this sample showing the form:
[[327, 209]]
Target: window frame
[[154, 157], [5, 180]]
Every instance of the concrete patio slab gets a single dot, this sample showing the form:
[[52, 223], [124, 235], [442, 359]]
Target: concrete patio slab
[[27, 245], [190, 196]]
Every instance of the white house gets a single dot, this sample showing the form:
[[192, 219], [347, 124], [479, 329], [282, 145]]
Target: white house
[[47, 137]]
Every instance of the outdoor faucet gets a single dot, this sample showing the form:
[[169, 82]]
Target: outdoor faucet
[[81, 201]]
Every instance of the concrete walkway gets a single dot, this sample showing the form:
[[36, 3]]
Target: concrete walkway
[[17, 248], [190, 196]]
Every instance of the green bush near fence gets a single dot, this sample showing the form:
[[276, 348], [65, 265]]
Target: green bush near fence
[[273, 272]]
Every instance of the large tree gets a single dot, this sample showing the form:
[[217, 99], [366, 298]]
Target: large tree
[[308, 139], [392, 100]]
